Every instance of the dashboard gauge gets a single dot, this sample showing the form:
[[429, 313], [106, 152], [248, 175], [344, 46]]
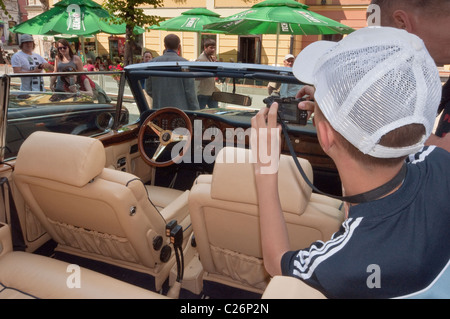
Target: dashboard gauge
[[164, 124], [104, 121], [177, 122]]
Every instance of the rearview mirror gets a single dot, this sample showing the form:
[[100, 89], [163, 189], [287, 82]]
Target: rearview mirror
[[232, 98]]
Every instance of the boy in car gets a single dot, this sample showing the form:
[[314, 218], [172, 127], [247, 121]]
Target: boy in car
[[376, 93]]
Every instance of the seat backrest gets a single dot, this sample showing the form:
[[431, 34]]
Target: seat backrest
[[84, 206], [225, 217]]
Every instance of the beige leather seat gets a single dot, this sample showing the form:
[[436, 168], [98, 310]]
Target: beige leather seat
[[93, 211], [27, 276], [224, 214]]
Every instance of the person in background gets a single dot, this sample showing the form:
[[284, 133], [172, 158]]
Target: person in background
[[77, 84], [99, 65], [82, 85], [170, 91], [53, 53], [89, 66], [80, 52], [108, 62], [147, 56], [89, 54], [394, 240], [429, 20], [64, 58], [284, 89], [26, 61], [206, 87]]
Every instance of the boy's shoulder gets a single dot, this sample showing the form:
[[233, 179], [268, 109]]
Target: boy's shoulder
[[428, 153], [431, 161]]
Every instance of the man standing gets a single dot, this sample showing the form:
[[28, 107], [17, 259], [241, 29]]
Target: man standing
[[172, 91], [206, 87], [285, 89], [26, 61]]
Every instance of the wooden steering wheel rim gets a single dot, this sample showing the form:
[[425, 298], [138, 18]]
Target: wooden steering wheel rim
[[143, 129]]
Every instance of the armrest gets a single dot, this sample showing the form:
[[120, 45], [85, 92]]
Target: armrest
[[284, 287], [178, 210]]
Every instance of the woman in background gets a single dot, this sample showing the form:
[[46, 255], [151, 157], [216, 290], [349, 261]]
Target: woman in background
[[82, 85], [64, 58], [99, 66]]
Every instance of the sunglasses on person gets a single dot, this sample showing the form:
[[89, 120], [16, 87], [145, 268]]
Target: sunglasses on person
[[62, 48]]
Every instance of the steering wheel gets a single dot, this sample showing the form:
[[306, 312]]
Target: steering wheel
[[165, 137]]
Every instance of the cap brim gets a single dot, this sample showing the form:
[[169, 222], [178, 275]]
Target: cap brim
[[306, 61]]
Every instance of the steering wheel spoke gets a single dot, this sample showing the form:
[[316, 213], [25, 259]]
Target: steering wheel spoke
[[158, 151], [165, 137], [155, 128]]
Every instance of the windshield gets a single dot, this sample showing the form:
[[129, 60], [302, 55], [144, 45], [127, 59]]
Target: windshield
[[211, 86], [94, 103], [77, 103]]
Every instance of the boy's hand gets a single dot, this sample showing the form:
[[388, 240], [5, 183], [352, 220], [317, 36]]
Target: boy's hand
[[308, 105], [265, 140]]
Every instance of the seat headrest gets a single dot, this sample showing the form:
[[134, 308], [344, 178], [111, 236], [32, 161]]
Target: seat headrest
[[234, 180], [66, 158]]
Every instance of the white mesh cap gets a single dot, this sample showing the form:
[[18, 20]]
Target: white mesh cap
[[373, 81]]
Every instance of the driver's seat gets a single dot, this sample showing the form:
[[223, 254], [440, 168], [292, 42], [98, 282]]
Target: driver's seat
[[93, 211]]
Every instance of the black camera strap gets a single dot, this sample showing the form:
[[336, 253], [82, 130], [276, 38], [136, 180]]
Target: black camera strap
[[355, 199]]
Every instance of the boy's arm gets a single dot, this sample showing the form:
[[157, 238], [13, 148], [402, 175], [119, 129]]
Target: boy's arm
[[274, 236]]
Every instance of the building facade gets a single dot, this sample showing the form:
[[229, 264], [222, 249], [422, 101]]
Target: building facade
[[230, 48], [16, 14], [251, 49]]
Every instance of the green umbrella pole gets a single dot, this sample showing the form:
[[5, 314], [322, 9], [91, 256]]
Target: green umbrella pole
[[278, 38], [199, 43], [82, 49]]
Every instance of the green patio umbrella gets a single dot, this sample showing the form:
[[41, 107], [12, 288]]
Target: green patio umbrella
[[74, 17], [278, 17], [190, 21]]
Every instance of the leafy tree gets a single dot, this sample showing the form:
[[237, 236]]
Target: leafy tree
[[44, 4], [129, 12]]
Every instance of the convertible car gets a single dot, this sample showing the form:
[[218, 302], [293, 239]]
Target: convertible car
[[149, 195]]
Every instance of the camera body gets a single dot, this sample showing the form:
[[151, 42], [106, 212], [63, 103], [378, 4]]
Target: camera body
[[288, 110]]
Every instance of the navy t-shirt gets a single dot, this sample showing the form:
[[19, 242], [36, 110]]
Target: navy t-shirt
[[444, 122], [397, 246]]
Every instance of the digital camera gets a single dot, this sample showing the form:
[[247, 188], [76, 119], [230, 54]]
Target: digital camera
[[288, 110]]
